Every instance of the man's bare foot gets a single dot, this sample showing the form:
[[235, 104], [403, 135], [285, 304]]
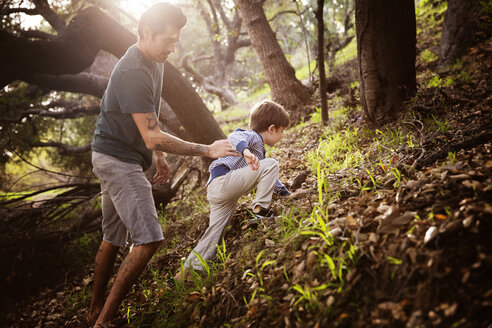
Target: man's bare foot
[[93, 314]]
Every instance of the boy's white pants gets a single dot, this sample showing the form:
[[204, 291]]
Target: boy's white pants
[[223, 193]]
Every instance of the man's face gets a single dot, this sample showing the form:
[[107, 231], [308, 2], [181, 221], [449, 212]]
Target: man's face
[[160, 46]]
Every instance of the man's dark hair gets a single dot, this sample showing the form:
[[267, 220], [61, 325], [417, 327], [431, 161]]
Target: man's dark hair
[[159, 17], [267, 113]]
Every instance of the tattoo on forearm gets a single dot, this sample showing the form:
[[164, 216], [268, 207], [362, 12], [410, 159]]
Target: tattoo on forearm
[[151, 121], [176, 146]]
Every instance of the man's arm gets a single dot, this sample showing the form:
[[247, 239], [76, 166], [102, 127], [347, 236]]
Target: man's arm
[[155, 139]]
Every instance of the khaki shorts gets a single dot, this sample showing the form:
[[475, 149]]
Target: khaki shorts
[[127, 204]]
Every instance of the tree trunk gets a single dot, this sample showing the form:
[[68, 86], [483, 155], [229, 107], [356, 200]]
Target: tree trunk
[[321, 61], [286, 89], [386, 39], [88, 33], [458, 30]]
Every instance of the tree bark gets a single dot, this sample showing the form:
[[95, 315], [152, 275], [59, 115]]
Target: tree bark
[[458, 30], [321, 61], [286, 88], [75, 49], [386, 39]]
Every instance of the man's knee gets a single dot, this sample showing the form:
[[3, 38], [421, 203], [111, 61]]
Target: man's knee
[[152, 246], [155, 245]]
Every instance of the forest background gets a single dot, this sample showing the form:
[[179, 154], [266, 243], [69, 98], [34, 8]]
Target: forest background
[[398, 177]]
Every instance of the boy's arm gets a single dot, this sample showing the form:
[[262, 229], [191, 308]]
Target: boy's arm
[[251, 159], [240, 140]]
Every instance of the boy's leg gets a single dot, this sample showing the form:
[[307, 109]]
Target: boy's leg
[[266, 183], [241, 181], [223, 193], [222, 206]]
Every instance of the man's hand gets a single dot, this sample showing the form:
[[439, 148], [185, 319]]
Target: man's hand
[[221, 148], [163, 169], [251, 159]]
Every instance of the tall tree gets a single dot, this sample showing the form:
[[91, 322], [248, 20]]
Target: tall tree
[[460, 24], [286, 88], [386, 40], [341, 13], [321, 61], [226, 40]]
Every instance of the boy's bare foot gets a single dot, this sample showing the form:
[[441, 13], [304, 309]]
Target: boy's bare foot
[[182, 276]]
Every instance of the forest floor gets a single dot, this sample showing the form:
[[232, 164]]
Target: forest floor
[[395, 230]]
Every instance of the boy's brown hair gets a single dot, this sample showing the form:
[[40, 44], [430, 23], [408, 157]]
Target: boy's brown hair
[[267, 113]]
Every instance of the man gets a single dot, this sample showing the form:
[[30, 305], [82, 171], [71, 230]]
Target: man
[[126, 135]]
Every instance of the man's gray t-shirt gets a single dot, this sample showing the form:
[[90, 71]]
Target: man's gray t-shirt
[[135, 86]]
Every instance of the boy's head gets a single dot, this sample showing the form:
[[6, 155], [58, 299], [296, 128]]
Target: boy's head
[[269, 119], [268, 113]]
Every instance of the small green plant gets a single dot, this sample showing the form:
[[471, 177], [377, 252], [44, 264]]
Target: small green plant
[[316, 115], [252, 297], [222, 254], [428, 56], [465, 76], [397, 174], [309, 295], [396, 262], [371, 176], [431, 215], [447, 209], [203, 262], [452, 157], [331, 264], [486, 6], [449, 81], [353, 254], [354, 85], [434, 82], [443, 127], [338, 151], [318, 225]]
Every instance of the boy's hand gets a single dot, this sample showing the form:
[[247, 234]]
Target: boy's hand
[[298, 193], [251, 159]]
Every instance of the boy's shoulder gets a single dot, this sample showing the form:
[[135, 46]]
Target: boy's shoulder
[[240, 131]]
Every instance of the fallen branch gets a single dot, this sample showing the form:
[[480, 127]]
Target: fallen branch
[[465, 144]]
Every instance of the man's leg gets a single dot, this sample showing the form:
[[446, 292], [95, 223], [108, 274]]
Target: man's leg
[[130, 270], [103, 268]]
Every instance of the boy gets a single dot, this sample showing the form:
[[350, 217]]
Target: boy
[[231, 177]]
